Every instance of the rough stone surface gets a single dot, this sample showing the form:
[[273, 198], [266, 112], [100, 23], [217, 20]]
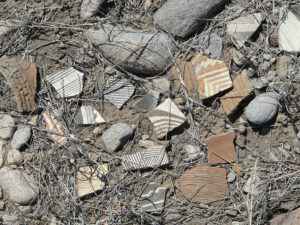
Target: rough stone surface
[[7, 126], [262, 109], [18, 186], [21, 137], [117, 135], [89, 8], [144, 53], [14, 157], [184, 17]]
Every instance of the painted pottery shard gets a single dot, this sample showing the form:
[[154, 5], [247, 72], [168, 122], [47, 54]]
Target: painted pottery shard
[[88, 115], [90, 8], [153, 198], [149, 101], [212, 75], [55, 126], [67, 83], [88, 180], [221, 148], [118, 91], [21, 76], [204, 184], [152, 157], [166, 117], [244, 27], [289, 218], [241, 90], [289, 30]]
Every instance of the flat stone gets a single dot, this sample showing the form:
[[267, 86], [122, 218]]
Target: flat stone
[[149, 101], [242, 28], [193, 152], [18, 186], [116, 136], [67, 83], [262, 109], [230, 177], [259, 83], [204, 184], [212, 75], [232, 99], [150, 158], [162, 85], [14, 157], [21, 137], [221, 148], [182, 17], [284, 67], [88, 179], [89, 8], [88, 115], [166, 117], [289, 29], [153, 198], [289, 218], [145, 53], [7, 126], [21, 77]]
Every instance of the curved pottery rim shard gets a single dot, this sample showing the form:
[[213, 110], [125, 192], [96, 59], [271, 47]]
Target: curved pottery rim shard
[[89, 8]]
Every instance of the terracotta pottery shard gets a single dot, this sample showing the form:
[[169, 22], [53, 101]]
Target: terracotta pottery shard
[[221, 148], [21, 76], [212, 75], [153, 157], [166, 117], [88, 180], [204, 184], [241, 90]]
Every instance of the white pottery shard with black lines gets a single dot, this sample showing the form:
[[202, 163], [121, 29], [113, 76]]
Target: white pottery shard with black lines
[[88, 115]]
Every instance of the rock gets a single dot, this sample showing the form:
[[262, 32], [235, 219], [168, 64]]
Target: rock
[[284, 67], [242, 129], [173, 217], [230, 177], [262, 109], [2, 203], [240, 141], [18, 186], [7, 126], [289, 218], [146, 143], [149, 101], [9, 219], [193, 152], [214, 44], [271, 76], [259, 83], [97, 131], [14, 157], [145, 53], [116, 136], [242, 153], [88, 115], [21, 137], [289, 35], [180, 101], [296, 145], [181, 17], [237, 57], [89, 8], [162, 85], [267, 57], [273, 39]]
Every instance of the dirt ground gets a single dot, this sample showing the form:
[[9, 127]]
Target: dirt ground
[[51, 34]]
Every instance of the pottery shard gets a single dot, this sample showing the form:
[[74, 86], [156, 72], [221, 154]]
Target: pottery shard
[[145, 53], [89, 8], [21, 76], [241, 90], [204, 184], [221, 148], [290, 218], [212, 75]]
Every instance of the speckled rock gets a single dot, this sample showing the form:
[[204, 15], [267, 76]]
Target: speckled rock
[[21, 137], [7, 126]]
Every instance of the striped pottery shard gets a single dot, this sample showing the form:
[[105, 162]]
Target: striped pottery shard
[[149, 101], [89, 8], [118, 91], [57, 129], [204, 184], [88, 180], [21, 77], [88, 115], [241, 90], [221, 148], [166, 117], [242, 28], [67, 83], [153, 198], [150, 158], [212, 75]]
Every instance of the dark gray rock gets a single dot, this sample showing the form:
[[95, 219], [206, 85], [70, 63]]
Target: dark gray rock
[[149, 101], [185, 17], [145, 53]]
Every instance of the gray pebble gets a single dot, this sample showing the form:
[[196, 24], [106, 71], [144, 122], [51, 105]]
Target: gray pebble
[[242, 153], [271, 76], [173, 217], [7, 126], [259, 83], [14, 157], [230, 177], [21, 137], [242, 129]]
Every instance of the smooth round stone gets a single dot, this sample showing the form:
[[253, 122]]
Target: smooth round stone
[[21, 137], [262, 109], [7, 126], [230, 177], [242, 129], [14, 157]]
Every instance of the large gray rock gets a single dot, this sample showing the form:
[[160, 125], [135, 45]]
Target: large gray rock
[[18, 186], [21, 137], [145, 53], [184, 17], [116, 136], [262, 109], [7, 126]]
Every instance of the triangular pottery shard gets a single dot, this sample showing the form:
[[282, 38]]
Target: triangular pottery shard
[[57, 129], [67, 83], [149, 101], [241, 90], [21, 76], [88, 180], [166, 117], [212, 75], [88, 115], [204, 184]]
